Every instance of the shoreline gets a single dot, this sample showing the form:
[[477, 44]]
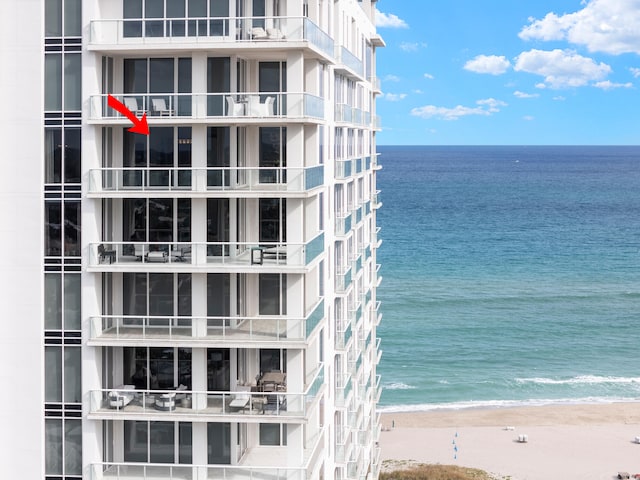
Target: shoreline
[[586, 441]]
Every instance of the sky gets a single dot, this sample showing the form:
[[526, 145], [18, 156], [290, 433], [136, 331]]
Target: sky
[[509, 72]]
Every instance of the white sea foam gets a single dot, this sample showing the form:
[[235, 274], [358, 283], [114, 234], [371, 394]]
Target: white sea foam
[[429, 407], [581, 380], [398, 386]]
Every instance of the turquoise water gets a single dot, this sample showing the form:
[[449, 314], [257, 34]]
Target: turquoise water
[[511, 276]]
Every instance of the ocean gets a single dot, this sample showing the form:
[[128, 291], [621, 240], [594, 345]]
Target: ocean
[[511, 276]]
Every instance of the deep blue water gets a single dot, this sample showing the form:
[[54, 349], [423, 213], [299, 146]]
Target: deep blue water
[[511, 275]]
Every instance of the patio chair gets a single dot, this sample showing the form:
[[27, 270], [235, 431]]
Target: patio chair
[[132, 104], [234, 109], [105, 254], [160, 107]]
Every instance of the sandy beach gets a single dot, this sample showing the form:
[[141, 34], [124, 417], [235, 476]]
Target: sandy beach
[[586, 442]]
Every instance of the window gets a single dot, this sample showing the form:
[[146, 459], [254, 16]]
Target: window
[[273, 434], [218, 443], [158, 442], [168, 147], [272, 294], [157, 368], [273, 154], [159, 220], [273, 220], [155, 76]]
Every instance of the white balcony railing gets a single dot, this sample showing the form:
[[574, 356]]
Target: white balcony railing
[[163, 471], [204, 180], [128, 402], [115, 328], [114, 255], [176, 31], [210, 106]]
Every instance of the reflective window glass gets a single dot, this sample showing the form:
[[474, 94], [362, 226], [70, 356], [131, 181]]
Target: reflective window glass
[[53, 374], [53, 85], [53, 18], [52, 301], [52, 228], [72, 301], [52, 155], [72, 375], [72, 82], [73, 18], [53, 446], [72, 165], [73, 446]]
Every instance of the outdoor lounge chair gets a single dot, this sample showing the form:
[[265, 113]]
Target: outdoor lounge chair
[[105, 254], [160, 107]]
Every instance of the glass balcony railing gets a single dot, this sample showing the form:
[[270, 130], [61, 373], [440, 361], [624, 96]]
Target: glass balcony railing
[[194, 254], [343, 224], [202, 180], [343, 280], [211, 106], [176, 31], [349, 60], [127, 401], [343, 389], [344, 169], [110, 329], [163, 471]]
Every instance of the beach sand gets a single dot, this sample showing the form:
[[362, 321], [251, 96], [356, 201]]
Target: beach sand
[[582, 442]]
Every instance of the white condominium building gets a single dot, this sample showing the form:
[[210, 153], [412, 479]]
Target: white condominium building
[[198, 301]]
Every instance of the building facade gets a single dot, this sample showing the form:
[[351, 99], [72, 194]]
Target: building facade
[[199, 302]]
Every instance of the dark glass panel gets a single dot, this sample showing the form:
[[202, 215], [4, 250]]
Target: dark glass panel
[[161, 294], [185, 443], [161, 368], [163, 440], [135, 76], [160, 222], [218, 295], [73, 445], [72, 228], [217, 225], [72, 146], [53, 229], [218, 155], [52, 155], [184, 220], [160, 155], [161, 75], [52, 301], [218, 370], [136, 441], [219, 443]]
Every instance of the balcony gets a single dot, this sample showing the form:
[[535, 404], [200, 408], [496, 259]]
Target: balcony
[[344, 334], [156, 181], [191, 256], [343, 280], [119, 330], [376, 203], [344, 169], [209, 32], [348, 62], [348, 114], [343, 224], [245, 404], [343, 389], [211, 108]]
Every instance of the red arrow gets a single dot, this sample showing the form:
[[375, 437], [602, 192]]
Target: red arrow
[[139, 126]]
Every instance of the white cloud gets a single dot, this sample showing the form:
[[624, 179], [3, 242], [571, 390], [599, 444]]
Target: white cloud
[[491, 64], [412, 46], [520, 94], [609, 85], [635, 72], [528, 118], [391, 78], [559, 98], [485, 107], [395, 97], [429, 76], [418, 91], [561, 68], [609, 26], [389, 20]]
